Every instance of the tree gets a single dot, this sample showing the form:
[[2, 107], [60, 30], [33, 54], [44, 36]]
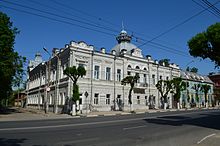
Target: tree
[[165, 61], [11, 64], [207, 44], [197, 87], [178, 86], [130, 80], [74, 73], [205, 89], [193, 69], [164, 87]]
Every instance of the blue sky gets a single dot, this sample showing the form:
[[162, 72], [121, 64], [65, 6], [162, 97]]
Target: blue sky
[[145, 19]]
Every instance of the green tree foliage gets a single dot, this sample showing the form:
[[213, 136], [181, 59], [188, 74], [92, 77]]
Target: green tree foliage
[[178, 86], [130, 80], [165, 61], [193, 69], [74, 73], [207, 44], [164, 87], [205, 89], [11, 64], [197, 87]]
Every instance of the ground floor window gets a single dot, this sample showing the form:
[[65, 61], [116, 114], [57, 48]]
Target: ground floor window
[[107, 101], [138, 100], [96, 98]]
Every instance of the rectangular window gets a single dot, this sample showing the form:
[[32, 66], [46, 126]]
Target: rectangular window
[[108, 73], [107, 101], [146, 102], [138, 99], [161, 77], [96, 98], [129, 73], [118, 75], [145, 79], [153, 79], [167, 78], [138, 80], [96, 72]]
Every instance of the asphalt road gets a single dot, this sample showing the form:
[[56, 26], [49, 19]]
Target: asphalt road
[[156, 129]]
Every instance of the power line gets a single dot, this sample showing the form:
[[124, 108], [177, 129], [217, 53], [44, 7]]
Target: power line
[[177, 25], [215, 10], [56, 15], [205, 8], [57, 20]]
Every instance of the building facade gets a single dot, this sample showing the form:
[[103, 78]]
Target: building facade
[[100, 89], [216, 80], [193, 95]]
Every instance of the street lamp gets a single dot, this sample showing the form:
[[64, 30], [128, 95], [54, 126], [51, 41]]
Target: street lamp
[[86, 95]]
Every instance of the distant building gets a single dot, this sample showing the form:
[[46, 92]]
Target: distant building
[[20, 99], [194, 82], [216, 80], [103, 78]]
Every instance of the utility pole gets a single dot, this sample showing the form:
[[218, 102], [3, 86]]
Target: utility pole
[[47, 89]]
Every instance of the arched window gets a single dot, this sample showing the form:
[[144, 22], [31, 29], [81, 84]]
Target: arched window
[[145, 69], [137, 67], [129, 66]]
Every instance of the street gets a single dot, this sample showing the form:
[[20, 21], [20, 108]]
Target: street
[[180, 128]]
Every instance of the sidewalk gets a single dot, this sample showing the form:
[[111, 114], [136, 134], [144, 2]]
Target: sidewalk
[[21, 114]]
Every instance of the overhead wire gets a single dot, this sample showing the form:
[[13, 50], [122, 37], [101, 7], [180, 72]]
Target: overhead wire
[[157, 44], [56, 15], [177, 25], [205, 8]]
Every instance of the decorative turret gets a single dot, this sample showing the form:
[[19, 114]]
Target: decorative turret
[[123, 37]]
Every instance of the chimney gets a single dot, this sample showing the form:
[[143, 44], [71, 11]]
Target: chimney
[[103, 50]]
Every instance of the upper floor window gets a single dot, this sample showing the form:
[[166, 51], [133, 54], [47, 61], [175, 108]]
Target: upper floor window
[[138, 80], [118, 74], [161, 77], [96, 72], [108, 73], [129, 73], [153, 79], [145, 78]]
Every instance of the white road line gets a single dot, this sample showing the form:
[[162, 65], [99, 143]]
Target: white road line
[[205, 138], [78, 141], [129, 128]]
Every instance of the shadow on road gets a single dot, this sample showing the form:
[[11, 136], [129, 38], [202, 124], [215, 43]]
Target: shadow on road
[[207, 121], [11, 142], [7, 111]]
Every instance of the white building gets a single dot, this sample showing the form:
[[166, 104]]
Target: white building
[[103, 78]]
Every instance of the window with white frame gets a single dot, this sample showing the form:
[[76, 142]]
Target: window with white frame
[[108, 73], [138, 80], [107, 101], [161, 77], [129, 73], [145, 78], [96, 98], [96, 71], [118, 74], [153, 79], [138, 100]]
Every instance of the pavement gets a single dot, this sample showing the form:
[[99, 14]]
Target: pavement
[[23, 114]]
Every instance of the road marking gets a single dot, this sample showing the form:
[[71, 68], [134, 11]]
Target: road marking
[[92, 123], [205, 138], [78, 141], [129, 128]]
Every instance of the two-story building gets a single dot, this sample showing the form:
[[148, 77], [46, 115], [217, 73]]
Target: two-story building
[[100, 89]]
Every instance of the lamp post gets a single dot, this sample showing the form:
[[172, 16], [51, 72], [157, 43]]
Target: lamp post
[[86, 95], [57, 79]]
